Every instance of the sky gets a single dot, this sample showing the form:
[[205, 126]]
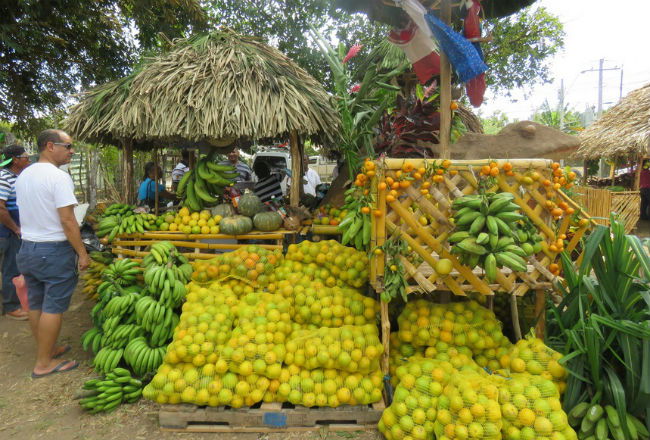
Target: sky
[[595, 29]]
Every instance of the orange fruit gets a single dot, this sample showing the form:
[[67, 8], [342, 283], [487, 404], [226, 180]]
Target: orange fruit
[[572, 175], [422, 170], [453, 172], [493, 164], [485, 170], [417, 176], [361, 177], [426, 185], [389, 181], [405, 184], [377, 213], [381, 186], [407, 167], [510, 173], [552, 248], [453, 105], [365, 210], [446, 163], [555, 165], [583, 222], [390, 198], [569, 210], [494, 172], [369, 165], [557, 212], [424, 191], [557, 186], [395, 185], [546, 182], [438, 179], [507, 166], [370, 173]]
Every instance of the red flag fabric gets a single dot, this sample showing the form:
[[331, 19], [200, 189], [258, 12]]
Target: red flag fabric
[[420, 50]]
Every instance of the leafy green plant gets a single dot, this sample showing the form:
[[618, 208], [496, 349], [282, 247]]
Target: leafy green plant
[[603, 323], [360, 105]]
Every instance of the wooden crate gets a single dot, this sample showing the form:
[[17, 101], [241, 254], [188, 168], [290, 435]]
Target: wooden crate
[[133, 245], [601, 202], [268, 417]]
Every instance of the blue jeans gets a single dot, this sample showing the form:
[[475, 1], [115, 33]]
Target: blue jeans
[[50, 270], [8, 250]]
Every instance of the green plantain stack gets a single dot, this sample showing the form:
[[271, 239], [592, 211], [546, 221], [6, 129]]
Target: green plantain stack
[[491, 233], [106, 394], [120, 219], [204, 184]]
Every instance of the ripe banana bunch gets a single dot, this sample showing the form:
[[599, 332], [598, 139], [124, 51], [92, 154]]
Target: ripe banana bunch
[[92, 278], [92, 339], [143, 358], [600, 423], [107, 359], [491, 233], [202, 185], [106, 394], [122, 272]]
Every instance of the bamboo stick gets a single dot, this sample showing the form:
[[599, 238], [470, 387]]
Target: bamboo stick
[[385, 337], [325, 230], [514, 312], [464, 165], [373, 233], [296, 169], [427, 285], [381, 226], [426, 206]]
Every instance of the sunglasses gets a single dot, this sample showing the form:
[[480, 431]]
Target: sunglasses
[[23, 156], [66, 146]]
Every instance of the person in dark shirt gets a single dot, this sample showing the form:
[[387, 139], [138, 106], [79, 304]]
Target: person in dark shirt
[[268, 184]]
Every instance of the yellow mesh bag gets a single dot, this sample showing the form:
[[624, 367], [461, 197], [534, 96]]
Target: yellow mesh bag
[[252, 263]]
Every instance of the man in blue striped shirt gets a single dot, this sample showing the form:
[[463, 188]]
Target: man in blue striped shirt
[[15, 159]]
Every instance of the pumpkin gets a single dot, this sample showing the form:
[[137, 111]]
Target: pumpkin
[[249, 204], [224, 210], [236, 225], [267, 221]]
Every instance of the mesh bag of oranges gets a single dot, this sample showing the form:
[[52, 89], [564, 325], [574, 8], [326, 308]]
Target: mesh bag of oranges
[[332, 388], [414, 409], [252, 263], [531, 409], [344, 264], [257, 343], [469, 408], [355, 349], [530, 355], [461, 324], [205, 325]]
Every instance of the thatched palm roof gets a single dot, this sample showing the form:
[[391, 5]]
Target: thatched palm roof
[[623, 130], [386, 12], [210, 89]]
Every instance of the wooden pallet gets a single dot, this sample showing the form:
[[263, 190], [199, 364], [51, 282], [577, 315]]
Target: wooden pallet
[[268, 417]]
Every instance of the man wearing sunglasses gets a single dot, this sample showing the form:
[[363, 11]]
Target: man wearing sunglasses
[[52, 252], [13, 161]]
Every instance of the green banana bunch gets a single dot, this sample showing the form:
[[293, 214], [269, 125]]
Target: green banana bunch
[[142, 357], [102, 257], [106, 394], [122, 272], [91, 339], [118, 208], [490, 232], [107, 359], [129, 223], [602, 423], [205, 183], [356, 227]]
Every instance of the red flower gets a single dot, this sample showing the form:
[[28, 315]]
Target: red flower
[[354, 50], [355, 88]]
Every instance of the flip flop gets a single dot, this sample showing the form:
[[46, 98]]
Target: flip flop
[[58, 369], [66, 348]]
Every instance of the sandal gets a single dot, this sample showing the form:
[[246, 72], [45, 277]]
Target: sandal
[[58, 369]]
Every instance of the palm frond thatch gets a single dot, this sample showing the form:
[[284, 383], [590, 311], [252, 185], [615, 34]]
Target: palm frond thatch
[[211, 89], [624, 130]]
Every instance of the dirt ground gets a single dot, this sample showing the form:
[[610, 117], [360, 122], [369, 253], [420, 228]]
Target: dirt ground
[[44, 408]]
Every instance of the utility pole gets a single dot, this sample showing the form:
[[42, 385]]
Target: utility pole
[[599, 112]]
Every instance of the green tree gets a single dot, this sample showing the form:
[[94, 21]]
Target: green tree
[[49, 49], [560, 117], [523, 45], [494, 123]]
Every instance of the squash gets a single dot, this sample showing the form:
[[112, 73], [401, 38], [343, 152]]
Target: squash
[[267, 221], [224, 210], [236, 225], [249, 204]]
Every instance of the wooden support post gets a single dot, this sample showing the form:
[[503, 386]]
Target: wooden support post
[[296, 169], [540, 313], [127, 168], [637, 173], [514, 313], [445, 88], [155, 180]]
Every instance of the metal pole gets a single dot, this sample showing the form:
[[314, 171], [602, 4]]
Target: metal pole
[[599, 112]]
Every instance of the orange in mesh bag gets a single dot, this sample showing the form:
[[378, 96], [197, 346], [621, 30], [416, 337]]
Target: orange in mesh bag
[[348, 348], [252, 263], [531, 409], [461, 324], [339, 264], [530, 355], [257, 344]]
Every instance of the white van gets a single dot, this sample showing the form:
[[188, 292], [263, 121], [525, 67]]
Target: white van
[[324, 167], [279, 158]]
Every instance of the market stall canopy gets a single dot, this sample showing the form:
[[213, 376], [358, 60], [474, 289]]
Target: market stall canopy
[[624, 130], [387, 12], [208, 90]]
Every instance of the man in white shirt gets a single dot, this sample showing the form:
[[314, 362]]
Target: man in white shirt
[[181, 168], [310, 179], [52, 253]]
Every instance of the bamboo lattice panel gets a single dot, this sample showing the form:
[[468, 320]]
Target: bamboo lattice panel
[[600, 203], [428, 242]]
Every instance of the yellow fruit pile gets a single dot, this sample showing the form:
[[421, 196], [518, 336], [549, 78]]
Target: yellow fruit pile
[[532, 356], [338, 264], [355, 349], [250, 265], [462, 324], [469, 407], [531, 409], [236, 345], [191, 222]]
